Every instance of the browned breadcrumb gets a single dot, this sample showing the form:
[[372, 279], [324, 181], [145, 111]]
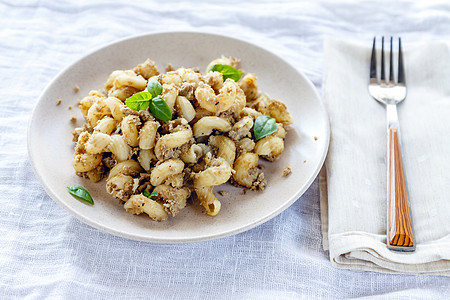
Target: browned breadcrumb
[[169, 68], [73, 119], [223, 193], [287, 171], [70, 106], [58, 102], [315, 138], [76, 88]]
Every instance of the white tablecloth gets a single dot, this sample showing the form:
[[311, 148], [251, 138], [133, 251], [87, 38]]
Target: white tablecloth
[[47, 253]]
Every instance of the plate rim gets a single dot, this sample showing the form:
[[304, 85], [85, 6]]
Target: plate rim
[[178, 240]]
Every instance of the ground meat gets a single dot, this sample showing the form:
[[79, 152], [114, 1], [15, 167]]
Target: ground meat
[[174, 125], [146, 116], [187, 90], [260, 182], [175, 199], [185, 147], [94, 175], [109, 162], [144, 177], [167, 153], [229, 116], [215, 80], [77, 131], [120, 193], [128, 111], [143, 187]]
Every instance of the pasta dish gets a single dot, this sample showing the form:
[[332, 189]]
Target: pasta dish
[[161, 138]]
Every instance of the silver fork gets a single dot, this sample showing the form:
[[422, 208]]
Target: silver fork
[[390, 92]]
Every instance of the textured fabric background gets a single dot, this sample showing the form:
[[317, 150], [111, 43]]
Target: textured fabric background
[[47, 253]]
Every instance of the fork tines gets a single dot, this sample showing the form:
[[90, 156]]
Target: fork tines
[[373, 64]]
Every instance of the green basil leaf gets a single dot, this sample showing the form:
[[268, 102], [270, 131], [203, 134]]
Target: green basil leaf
[[160, 109], [264, 125], [80, 193], [139, 101], [227, 72], [150, 195], [154, 87]]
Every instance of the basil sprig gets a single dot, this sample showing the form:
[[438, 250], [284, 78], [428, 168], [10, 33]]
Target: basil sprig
[[154, 87], [160, 109], [227, 72], [80, 193], [264, 125], [150, 195], [139, 101], [150, 98]]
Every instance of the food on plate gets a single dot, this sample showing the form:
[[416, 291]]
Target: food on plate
[[160, 138]]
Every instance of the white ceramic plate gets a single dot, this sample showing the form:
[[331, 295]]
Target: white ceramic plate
[[50, 144]]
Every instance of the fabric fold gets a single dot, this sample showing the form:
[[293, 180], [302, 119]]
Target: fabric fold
[[353, 180]]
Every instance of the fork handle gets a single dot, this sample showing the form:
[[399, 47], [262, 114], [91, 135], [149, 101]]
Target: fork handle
[[399, 229]]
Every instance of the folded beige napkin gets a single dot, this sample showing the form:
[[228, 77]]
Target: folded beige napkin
[[353, 181]]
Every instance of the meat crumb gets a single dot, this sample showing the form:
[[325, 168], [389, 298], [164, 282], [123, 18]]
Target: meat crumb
[[315, 138], [287, 171], [73, 119], [58, 102], [76, 88], [223, 193], [169, 68]]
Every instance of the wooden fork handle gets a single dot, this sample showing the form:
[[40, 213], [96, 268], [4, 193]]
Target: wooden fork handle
[[399, 229]]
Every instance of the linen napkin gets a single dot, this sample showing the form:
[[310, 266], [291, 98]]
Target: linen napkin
[[353, 181]]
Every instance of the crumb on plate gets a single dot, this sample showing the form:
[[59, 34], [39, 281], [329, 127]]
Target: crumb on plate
[[315, 138], [76, 88], [287, 171], [58, 102], [223, 193], [169, 68], [73, 119]]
